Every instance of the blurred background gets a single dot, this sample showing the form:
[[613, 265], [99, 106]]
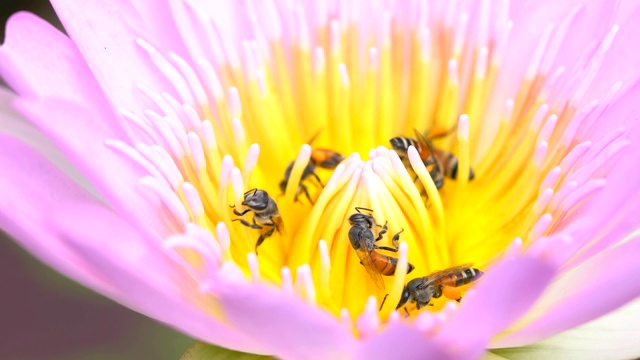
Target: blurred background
[[44, 316]]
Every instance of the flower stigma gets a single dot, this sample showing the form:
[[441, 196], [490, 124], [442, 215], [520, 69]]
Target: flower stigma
[[236, 153]]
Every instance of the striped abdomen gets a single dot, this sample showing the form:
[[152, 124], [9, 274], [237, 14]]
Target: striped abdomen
[[463, 277], [386, 264]]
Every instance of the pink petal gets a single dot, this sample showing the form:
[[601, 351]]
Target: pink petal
[[403, 341], [613, 69], [37, 60], [600, 285], [504, 294], [35, 190], [81, 138], [147, 281], [289, 327], [14, 124], [105, 33]]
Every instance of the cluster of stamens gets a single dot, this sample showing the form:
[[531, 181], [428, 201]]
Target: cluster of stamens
[[224, 164]]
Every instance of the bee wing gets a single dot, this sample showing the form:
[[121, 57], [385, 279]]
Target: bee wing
[[279, 225], [425, 142], [371, 268], [441, 274]]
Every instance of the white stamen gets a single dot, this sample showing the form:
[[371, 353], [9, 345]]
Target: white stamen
[[235, 106], [251, 160], [135, 155], [197, 153], [581, 193], [540, 227], [574, 155], [540, 114], [191, 78], [319, 62], [159, 100], [460, 34], [334, 38], [191, 118], [536, 58], [254, 267], [344, 75], [238, 185], [463, 127], [561, 194], [141, 125], [222, 234], [425, 44], [543, 201], [210, 78], [514, 249], [168, 197], [539, 154], [302, 30], [551, 179], [287, 281], [193, 199], [225, 171], [304, 284], [547, 128], [168, 70], [368, 322]]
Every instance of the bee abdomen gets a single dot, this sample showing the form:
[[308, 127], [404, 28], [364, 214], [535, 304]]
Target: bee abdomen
[[467, 276], [385, 264]]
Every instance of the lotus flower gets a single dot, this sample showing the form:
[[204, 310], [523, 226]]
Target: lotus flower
[[148, 127]]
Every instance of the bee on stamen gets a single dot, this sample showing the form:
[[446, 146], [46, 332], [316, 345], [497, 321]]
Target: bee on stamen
[[266, 216], [439, 163], [364, 243], [444, 282]]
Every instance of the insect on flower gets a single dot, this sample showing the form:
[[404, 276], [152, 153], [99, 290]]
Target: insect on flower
[[266, 216], [363, 242], [440, 163], [321, 157], [444, 282]]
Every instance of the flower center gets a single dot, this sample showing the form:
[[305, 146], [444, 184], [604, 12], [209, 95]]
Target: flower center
[[238, 125]]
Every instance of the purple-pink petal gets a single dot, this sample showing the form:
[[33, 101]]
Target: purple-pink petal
[[290, 328], [504, 294], [600, 285]]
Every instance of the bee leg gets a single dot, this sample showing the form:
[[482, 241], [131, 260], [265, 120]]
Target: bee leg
[[383, 300], [396, 238], [248, 224], [236, 212], [263, 236], [306, 193], [317, 178], [382, 232], [407, 311], [385, 248]]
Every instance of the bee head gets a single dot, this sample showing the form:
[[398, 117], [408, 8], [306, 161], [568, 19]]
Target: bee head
[[364, 220], [256, 199], [403, 299]]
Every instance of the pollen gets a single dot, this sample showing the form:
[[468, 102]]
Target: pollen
[[261, 157]]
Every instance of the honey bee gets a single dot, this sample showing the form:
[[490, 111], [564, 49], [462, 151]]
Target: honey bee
[[266, 216], [444, 282], [323, 158], [439, 163], [363, 242]]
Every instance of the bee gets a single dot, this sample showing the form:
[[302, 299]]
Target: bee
[[421, 290], [363, 242], [266, 216], [323, 158], [439, 163]]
